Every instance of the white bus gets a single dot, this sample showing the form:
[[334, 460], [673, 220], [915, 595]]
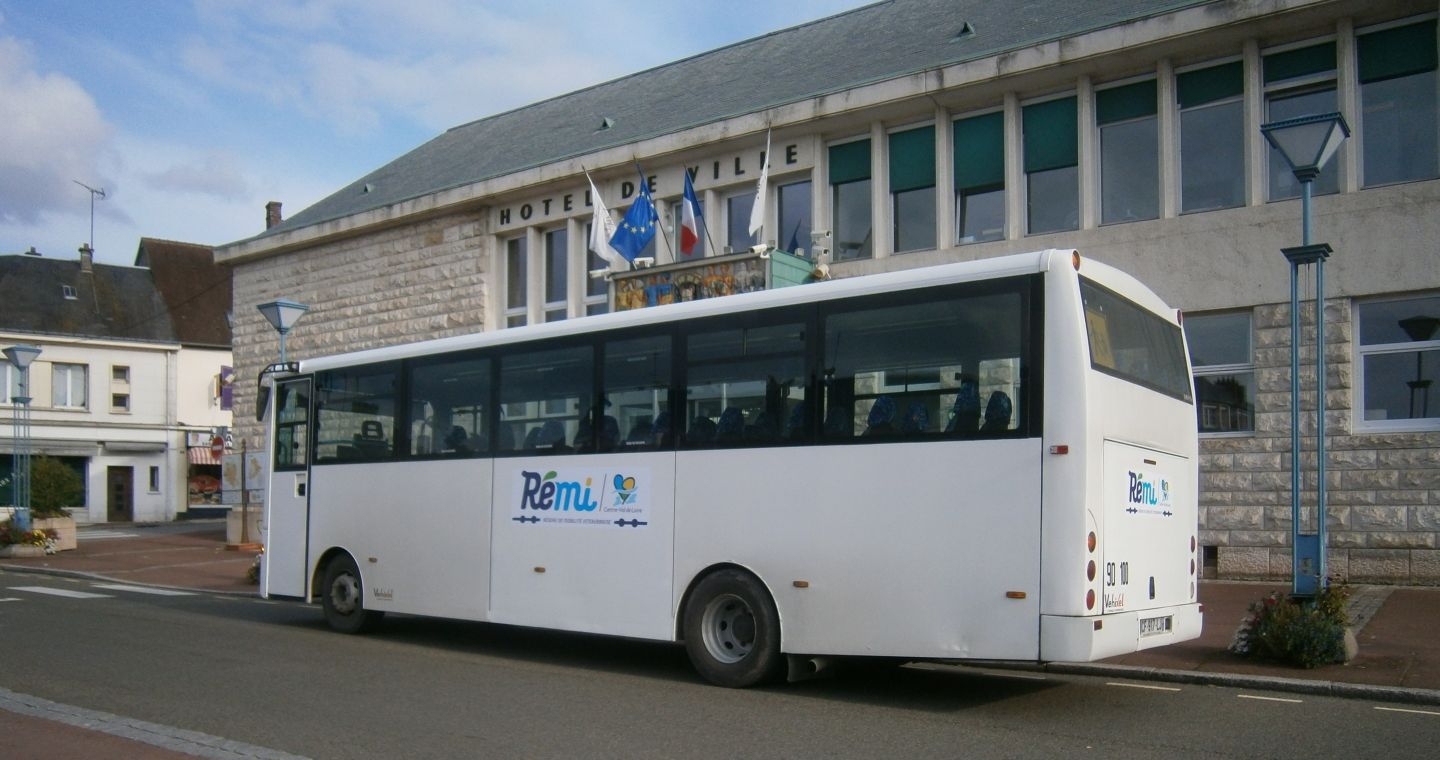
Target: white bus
[[992, 460]]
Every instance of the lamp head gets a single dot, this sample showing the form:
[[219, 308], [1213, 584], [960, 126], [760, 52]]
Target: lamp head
[[21, 355], [1307, 142], [283, 314]]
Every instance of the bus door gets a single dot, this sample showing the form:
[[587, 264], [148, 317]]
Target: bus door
[[287, 503]]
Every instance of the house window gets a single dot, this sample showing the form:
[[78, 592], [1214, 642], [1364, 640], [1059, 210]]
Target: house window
[[850, 200], [1399, 358], [912, 188], [980, 178], [9, 382], [69, 386], [516, 281], [119, 402], [1129, 153], [795, 224], [1222, 356], [557, 249], [154, 480], [1299, 83], [597, 289], [1398, 104], [68, 293], [1212, 137], [1052, 161], [737, 221]]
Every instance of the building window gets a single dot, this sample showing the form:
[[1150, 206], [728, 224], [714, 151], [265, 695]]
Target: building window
[[1052, 161], [557, 258], [1129, 153], [1299, 83], [68, 293], [912, 188], [154, 480], [980, 178], [120, 374], [517, 257], [1398, 104], [597, 289], [69, 386], [850, 200], [9, 382], [1212, 137], [795, 223], [737, 221], [1222, 356], [1399, 357], [119, 402]]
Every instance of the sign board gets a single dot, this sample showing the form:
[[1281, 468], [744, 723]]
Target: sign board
[[254, 478]]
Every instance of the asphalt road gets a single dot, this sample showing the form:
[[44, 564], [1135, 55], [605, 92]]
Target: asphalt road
[[269, 674]]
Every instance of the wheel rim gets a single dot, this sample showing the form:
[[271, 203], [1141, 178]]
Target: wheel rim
[[345, 594], [728, 628]]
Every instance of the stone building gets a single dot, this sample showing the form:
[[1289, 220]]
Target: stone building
[[925, 131]]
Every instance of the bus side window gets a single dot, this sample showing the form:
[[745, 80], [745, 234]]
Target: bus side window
[[448, 408], [743, 385], [544, 395]]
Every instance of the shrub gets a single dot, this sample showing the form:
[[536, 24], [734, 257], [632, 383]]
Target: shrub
[[1308, 633], [53, 487]]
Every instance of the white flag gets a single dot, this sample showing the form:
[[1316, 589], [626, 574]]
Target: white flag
[[757, 212], [602, 228]]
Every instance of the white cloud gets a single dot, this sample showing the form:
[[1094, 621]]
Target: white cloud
[[52, 134], [214, 173]]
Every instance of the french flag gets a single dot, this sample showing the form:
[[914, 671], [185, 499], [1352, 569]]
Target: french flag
[[689, 218]]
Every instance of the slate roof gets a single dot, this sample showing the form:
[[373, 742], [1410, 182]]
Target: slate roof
[[874, 43], [111, 302], [195, 289]]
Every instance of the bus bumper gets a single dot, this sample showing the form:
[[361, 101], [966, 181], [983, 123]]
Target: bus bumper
[[1095, 637]]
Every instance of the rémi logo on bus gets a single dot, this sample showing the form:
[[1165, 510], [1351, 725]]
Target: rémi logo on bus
[[1148, 493], [546, 493]]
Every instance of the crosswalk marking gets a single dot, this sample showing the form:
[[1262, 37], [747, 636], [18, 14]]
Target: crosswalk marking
[[144, 589], [10, 599], [104, 533], [65, 592]]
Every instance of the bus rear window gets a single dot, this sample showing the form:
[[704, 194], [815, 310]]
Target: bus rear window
[[1133, 344]]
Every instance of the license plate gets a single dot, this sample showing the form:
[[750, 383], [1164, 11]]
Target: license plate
[[1155, 625]]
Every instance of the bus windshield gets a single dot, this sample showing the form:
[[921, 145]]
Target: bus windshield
[[1133, 344]]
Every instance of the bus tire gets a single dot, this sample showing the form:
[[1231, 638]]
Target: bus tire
[[343, 597], [732, 631]]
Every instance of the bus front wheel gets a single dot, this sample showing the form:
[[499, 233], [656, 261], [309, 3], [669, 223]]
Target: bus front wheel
[[732, 631], [343, 597]]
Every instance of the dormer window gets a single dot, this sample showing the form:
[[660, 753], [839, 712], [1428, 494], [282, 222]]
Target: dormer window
[[68, 292]]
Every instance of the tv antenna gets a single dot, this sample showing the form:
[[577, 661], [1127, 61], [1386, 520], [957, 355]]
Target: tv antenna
[[94, 193]]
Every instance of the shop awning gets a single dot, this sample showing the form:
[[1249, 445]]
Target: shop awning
[[199, 455]]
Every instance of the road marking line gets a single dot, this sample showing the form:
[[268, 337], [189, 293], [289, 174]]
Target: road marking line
[[1403, 710], [65, 592], [1142, 686], [10, 599], [1271, 699], [144, 589]]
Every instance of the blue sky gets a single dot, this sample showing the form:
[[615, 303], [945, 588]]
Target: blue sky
[[192, 114]]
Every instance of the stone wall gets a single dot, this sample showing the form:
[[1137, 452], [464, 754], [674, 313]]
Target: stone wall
[[1382, 490], [410, 282]]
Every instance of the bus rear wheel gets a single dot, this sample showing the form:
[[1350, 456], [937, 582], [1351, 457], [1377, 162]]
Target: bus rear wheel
[[732, 631], [343, 597]]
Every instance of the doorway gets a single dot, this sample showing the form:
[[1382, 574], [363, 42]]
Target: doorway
[[120, 494]]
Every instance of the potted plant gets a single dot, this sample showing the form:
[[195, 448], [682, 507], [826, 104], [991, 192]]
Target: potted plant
[[53, 488], [25, 543]]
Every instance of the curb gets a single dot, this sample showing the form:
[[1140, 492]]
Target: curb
[[1236, 680], [110, 579]]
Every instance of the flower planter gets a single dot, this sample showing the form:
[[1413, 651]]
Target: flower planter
[[64, 528], [21, 550]]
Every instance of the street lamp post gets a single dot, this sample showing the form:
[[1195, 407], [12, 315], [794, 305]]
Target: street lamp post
[[1307, 143], [20, 357], [283, 315]]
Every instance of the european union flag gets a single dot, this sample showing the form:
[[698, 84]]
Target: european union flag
[[639, 225]]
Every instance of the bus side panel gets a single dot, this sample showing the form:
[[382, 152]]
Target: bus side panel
[[419, 532], [908, 550], [585, 543]]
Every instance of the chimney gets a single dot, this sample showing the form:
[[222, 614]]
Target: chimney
[[87, 259], [272, 214], [32, 252]]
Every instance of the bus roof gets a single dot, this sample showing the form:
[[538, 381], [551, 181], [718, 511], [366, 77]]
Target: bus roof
[[967, 271]]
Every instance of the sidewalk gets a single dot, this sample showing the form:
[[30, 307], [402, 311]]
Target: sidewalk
[[1399, 658]]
